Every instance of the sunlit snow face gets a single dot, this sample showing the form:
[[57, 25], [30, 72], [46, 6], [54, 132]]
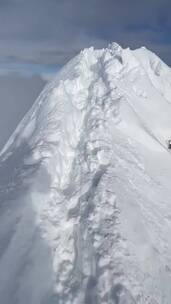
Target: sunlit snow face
[[85, 186]]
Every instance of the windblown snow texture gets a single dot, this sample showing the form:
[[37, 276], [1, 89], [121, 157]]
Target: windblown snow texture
[[85, 196]]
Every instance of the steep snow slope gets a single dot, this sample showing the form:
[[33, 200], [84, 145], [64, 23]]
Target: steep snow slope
[[85, 198]]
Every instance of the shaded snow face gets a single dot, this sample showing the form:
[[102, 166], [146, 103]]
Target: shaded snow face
[[85, 213]]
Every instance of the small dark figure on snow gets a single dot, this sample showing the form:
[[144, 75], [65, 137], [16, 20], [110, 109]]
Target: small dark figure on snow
[[169, 144]]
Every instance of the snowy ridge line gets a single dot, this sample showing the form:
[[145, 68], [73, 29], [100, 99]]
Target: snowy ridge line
[[145, 127], [164, 69]]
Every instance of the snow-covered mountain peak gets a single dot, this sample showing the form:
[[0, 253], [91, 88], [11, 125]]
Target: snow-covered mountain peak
[[85, 186], [115, 48]]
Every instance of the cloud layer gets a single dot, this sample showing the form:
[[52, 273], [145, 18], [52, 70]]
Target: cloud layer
[[17, 94]]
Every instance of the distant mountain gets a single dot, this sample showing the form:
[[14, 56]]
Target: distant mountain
[[85, 196]]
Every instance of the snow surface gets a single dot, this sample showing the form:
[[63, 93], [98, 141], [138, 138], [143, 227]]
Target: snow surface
[[85, 196]]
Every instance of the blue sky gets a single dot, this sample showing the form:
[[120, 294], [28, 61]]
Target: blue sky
[[50, 32]]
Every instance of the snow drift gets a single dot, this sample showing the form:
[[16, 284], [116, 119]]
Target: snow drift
[[85, 197]]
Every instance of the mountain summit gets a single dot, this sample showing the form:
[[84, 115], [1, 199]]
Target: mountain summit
[[85, 197]]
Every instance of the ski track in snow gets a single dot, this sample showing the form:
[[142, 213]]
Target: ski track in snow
[[85, 199]]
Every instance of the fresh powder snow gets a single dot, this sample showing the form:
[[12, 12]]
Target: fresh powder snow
[[85, 193]]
